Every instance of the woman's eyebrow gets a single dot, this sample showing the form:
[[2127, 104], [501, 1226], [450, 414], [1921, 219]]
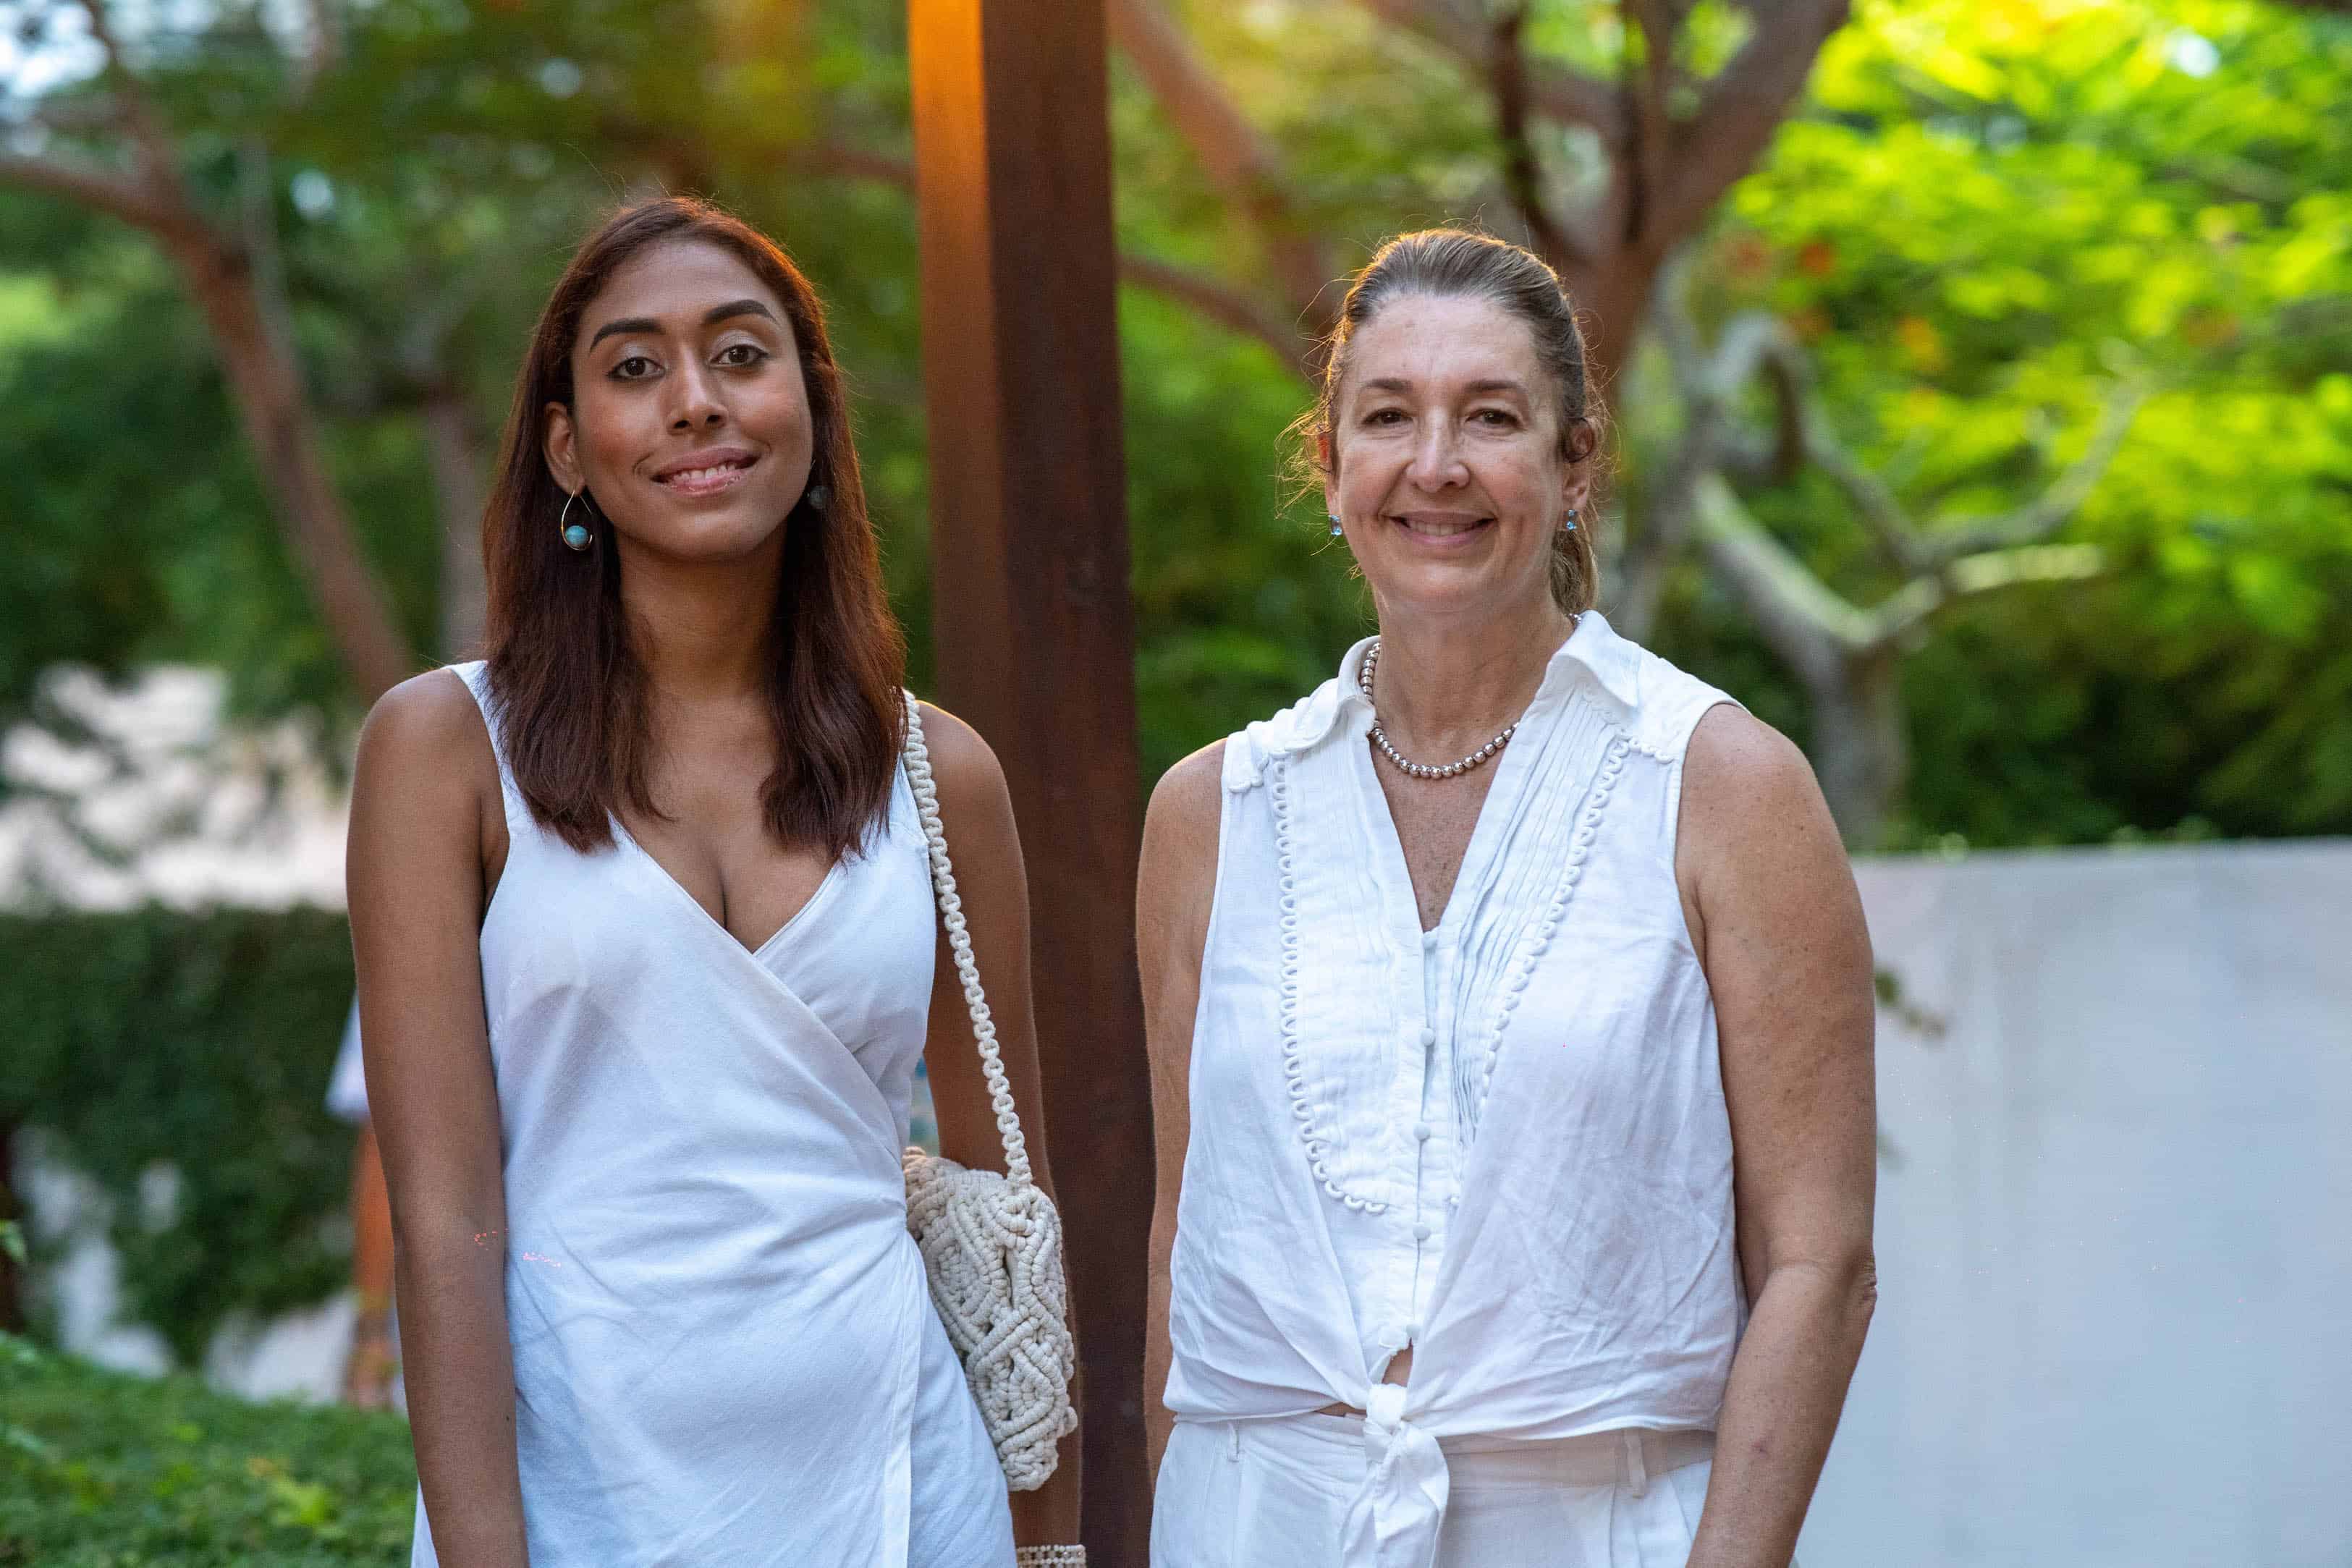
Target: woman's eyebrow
[[710, 318], [717, 313], [626, 324]]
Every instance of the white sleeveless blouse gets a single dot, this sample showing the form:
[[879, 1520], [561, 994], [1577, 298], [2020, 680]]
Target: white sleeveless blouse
[[724, 1350], [1503, 1142]]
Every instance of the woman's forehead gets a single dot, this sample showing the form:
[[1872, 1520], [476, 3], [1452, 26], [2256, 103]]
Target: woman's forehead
[[1440, 343], [678, 280]]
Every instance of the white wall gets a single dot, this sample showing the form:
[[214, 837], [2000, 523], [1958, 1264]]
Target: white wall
[[2115, 1229]]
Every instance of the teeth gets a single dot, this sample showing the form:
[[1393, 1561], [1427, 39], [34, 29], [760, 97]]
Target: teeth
[[1440, 530], [689, 475]]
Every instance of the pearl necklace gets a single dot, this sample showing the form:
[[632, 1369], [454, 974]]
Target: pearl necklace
[[1422, 770]]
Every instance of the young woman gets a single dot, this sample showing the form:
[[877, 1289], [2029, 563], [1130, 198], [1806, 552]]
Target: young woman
[[1511, 1013], [647, 953]]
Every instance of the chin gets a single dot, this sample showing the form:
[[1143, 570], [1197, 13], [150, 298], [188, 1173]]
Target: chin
[[1445, 590], [713, 538]]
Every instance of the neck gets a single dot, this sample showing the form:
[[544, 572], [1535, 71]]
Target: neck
[[1445, 687], [702, 628]]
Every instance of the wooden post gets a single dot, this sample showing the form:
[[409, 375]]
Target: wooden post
[[1032, 615]]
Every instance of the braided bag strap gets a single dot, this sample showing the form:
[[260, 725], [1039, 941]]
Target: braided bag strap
[[943, 883], [991, 1245]]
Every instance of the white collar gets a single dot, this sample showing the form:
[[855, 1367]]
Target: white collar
[[1593, 650]]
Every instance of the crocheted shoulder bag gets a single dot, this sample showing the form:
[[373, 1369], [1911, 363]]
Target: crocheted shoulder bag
[[991, 1244]]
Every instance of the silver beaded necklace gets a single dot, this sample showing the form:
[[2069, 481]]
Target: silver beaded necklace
[[1422, 770]]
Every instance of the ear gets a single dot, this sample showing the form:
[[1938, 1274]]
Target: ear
[[1576, 485], [560, 448], [1323, 453]]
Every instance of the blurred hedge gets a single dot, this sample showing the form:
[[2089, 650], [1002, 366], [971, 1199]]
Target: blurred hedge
[[204, 1042], [116, 1471]]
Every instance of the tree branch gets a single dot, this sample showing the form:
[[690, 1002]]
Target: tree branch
[[151, 143], [1554, 91], [1644, 85], [1228, 306], [98, 189], [1898, 538], [1813, 629], [1902, 612], [2036, 521], [1240, 162], [1522, 176], [1740, 108], [1233, 308]]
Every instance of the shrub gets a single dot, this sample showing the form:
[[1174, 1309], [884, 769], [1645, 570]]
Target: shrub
[[203, 1041], [117, 1471]]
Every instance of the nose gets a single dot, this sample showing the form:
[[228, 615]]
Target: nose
[[1437, 462], [696, 404]]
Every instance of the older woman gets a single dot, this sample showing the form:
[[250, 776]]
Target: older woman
[[1510, 1020]]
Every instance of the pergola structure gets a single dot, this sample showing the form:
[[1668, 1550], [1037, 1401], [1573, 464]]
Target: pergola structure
[[1032, 621]]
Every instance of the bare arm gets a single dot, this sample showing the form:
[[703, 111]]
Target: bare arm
[[1779, 931], [976, 808], [1175, 884], [426, 839]]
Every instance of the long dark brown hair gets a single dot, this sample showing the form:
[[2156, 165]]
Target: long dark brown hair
[[570, 693], [1453, 262]]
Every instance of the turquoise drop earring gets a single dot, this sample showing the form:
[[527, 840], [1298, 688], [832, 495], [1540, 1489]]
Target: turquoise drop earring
[[1336, 531], [576, 534], [1569, 525]]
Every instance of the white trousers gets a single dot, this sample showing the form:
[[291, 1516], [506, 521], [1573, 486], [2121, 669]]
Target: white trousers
[[1272, 1494]]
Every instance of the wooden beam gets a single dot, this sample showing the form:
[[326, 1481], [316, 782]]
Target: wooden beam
[[1035, 630]]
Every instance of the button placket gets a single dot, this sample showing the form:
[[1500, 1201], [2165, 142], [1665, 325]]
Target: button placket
[[1432, 986]]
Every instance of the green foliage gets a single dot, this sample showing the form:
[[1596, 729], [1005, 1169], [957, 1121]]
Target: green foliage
[[129, 1472], [1989, 214], [1983, 214], [201, 1041]]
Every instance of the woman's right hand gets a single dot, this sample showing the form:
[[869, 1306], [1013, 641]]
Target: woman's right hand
[[427, 840]]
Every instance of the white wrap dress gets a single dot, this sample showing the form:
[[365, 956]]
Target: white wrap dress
[[1502, 1143], [724, 1352]]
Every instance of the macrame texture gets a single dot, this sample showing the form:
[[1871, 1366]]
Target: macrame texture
[[992, 1252]]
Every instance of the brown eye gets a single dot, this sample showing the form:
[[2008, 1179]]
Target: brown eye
[[752, 354], [636, 367]]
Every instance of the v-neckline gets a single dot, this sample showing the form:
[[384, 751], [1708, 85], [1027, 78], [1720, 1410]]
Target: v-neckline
[[662, 874], [1476, 854]]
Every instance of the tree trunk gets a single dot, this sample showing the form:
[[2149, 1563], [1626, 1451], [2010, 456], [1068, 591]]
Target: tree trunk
[[1861, 749], [286, 449], [1037, 647], [1613, 301]]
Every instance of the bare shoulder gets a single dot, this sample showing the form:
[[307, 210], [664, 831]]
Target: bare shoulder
[[1186, 801], [1175, 879], [964, 763], [1742, 778], [426, 740]]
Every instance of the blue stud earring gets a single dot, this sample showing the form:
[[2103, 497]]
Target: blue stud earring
[[1569, 525], [576, 534], [1336, 531]]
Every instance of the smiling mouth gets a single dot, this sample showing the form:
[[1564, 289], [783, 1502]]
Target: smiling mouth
[[708, 480], [1441, 527]]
